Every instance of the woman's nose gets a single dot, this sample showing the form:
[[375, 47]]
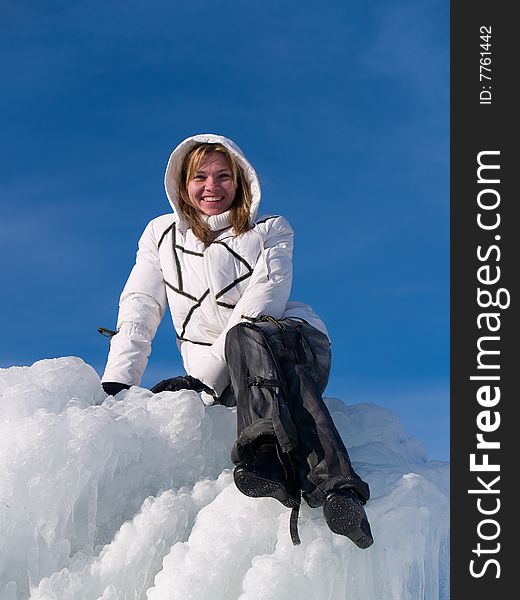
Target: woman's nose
[[212, 183]]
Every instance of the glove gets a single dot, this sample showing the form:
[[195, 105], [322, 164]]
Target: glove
[[112, 388], [182, 382]]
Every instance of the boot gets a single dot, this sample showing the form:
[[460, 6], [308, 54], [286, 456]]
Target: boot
[[268, 472], [345, 515]]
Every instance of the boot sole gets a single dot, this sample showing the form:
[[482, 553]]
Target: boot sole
[[347, 517], [255, 486]]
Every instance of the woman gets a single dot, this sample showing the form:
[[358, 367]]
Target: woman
[[226, 274]]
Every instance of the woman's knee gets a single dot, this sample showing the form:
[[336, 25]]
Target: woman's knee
[[235, 339], [236, 333]]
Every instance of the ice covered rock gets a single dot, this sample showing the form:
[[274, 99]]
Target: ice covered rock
[[134, 499]]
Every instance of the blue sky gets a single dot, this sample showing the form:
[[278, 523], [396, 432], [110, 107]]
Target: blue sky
[[342, 107]]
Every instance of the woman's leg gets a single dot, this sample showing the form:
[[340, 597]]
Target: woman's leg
[[279, 370]]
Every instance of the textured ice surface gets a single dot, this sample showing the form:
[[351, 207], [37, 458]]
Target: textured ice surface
[[134, 499]]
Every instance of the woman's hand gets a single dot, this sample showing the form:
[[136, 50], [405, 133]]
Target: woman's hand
[[182, 382], [112, 388]]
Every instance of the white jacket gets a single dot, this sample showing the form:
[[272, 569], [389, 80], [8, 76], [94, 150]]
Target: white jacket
[[209, 289]]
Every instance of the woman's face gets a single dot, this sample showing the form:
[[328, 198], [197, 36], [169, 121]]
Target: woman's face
[[212, 189]]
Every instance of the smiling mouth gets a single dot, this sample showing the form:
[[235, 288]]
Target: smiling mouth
[[213, 198]]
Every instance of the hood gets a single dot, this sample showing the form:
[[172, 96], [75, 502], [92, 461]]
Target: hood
[[173, 170]]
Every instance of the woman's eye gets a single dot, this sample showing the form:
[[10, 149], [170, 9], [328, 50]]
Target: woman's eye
[[199, 178]]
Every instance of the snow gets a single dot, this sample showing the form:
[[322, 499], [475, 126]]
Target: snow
[[104, 499]]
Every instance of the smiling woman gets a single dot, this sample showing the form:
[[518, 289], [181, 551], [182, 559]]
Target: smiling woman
[[211, 182], [212, 189], [226, 274]]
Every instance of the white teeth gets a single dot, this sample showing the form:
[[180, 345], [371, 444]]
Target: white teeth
[[212, 199]]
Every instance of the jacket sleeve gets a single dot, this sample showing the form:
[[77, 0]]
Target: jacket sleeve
[[267, 294], [141, 307]]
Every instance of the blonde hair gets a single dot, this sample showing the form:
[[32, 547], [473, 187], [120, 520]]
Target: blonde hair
[[239, 211]]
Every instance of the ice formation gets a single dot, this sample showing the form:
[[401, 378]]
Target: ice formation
[[133, 499]]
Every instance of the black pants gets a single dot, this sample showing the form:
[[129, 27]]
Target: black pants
[[279, 370]]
